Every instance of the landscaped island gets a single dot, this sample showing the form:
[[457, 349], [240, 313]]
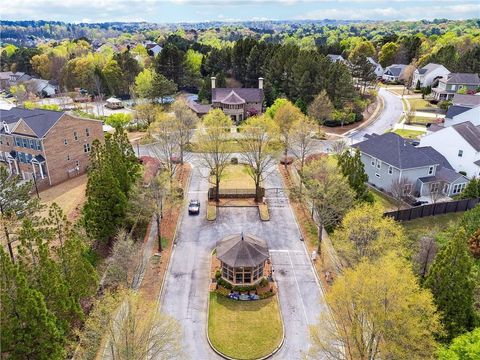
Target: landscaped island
[[244, 329]]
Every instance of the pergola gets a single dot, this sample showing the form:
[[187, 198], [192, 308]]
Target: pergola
[[242, 258]]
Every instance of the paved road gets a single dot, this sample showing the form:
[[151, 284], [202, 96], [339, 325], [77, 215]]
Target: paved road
[[390, 115], [185, 293]]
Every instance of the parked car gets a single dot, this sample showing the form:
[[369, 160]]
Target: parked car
[[194, 207], [419, 203]]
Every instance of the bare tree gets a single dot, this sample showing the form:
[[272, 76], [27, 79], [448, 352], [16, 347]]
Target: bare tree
[[302, 135], [400, 189], [338, 147], [139, 332], [427, 249], [435, 190], [123, 261], [165, 149], [257, 149], [409, 115], [186, 123]]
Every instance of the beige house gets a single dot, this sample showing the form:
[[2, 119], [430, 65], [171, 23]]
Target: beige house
[[47, 146]]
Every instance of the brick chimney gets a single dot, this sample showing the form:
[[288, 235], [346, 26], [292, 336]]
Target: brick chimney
[[260, 82], [213, 78]]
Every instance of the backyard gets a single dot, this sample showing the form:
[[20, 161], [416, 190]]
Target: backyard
[[419, 103], [244, 329], [430, 225]]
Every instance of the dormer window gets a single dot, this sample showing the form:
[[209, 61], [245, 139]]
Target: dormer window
[[430, 170], [6, 128]]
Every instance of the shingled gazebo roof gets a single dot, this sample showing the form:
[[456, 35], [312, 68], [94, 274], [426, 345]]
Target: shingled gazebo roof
[[242, 250]]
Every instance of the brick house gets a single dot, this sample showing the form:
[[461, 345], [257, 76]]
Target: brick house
[[47, 146]]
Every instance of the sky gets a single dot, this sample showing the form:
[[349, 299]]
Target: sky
[[173, 11]]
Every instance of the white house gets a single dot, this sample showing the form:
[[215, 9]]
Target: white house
[[426, 75], [459, 144], [457, 114], [336, 58], [393, 72], [378, 69]]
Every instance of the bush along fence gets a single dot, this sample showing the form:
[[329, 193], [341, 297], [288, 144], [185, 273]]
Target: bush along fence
[[433, 209]]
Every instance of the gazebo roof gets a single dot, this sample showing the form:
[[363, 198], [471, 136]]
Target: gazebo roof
[[113, 100], [242, 250]]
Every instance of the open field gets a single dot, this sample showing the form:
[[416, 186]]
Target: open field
[[236, 177], [244, 329], [69, 195]]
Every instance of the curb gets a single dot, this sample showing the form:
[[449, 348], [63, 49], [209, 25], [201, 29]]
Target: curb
[[376, 113]]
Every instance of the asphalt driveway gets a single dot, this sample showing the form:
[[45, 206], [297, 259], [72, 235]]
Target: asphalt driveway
[[185, 293]]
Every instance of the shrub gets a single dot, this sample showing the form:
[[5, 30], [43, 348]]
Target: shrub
[[244, 288], [224, 283], [218, 275], [263, 282], [444, 105], [234, 160]]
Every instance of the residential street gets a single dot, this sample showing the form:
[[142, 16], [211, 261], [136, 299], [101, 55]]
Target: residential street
[[185, 293]]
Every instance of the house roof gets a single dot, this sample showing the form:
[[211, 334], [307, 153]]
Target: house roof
[[233, 99], [247, 94], [436, 157], [242, 250], [462, 78], [39, 120], [455, 110], [435, 127], [443, 174], [395, 69], [466, 100], [371, 61], [428, 68], [113, 100], [477, 162], [199, 108], [470, 133], [334, 57], [396, 151]]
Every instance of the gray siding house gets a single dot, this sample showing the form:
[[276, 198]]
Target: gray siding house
[[390, 160], [450, 84]]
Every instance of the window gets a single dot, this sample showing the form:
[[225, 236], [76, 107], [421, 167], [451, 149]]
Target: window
[[77, 163], [18, 141], [75, 136], [68, 157], [87, 132], [33, 144], [377, 175], [39, 145], [373, 162], [458, 188], [25, 142], [434, 187], [6, 128], [390, 170], [430, 170], [86, 148], [460, 153], [379, 164], [65, 142]]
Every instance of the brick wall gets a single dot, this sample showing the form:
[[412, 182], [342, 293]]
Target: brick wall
[[62, 157]]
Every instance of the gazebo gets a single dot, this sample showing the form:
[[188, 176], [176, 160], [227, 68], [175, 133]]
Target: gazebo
[[242, 258]]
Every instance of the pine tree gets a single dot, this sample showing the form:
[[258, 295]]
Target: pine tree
[[354, 170], [29, 329], [452, 283]]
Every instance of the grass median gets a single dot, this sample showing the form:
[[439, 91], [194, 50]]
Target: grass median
[[244, 330]]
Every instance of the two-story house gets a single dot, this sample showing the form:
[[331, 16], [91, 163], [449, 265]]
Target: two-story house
[[426, 75], [47, 146], [238, 103], [450, 84], [459, 144], [390, 159], [393, 72]]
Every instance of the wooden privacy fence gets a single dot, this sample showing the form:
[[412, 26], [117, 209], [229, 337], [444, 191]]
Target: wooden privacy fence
[[433, 209], [235, 193]]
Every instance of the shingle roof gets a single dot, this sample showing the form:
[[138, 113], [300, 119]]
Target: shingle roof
[[455, 110], [477, 162], [396, 151], [40, 121], [470, 133], [396, 69], [443, 174], [428, 68], [247, 94], [436, 157], [233, 99], [466, 100], [462, 78], [199, 108], [242, 250]]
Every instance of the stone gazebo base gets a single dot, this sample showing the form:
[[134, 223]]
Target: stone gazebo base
[[262, 289]]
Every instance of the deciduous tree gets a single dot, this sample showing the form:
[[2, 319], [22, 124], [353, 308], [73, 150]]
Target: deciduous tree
[[186, 121], [321, 107], [302, 137], [286, 115]]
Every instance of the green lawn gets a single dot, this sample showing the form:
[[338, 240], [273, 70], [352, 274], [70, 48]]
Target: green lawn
[[379, 197], [244, 329], [419, 103], [423, 120], [409, 134], [236, 177]]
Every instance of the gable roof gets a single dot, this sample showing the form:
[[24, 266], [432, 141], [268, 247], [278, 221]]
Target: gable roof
[[242, 250], [247, 94], [428, 68], [396, 69], [470, 133], [396, 151], [462, 78], [436, 157], [199, 108], [455, 110], [466, 100], [39, 120]]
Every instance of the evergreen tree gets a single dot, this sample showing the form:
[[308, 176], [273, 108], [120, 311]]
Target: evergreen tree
[[363, 70], [353, 169], [106, 204], [339, 84], [29, 329], [452, 283], [170, 63], [472, 190], [162, 87]]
